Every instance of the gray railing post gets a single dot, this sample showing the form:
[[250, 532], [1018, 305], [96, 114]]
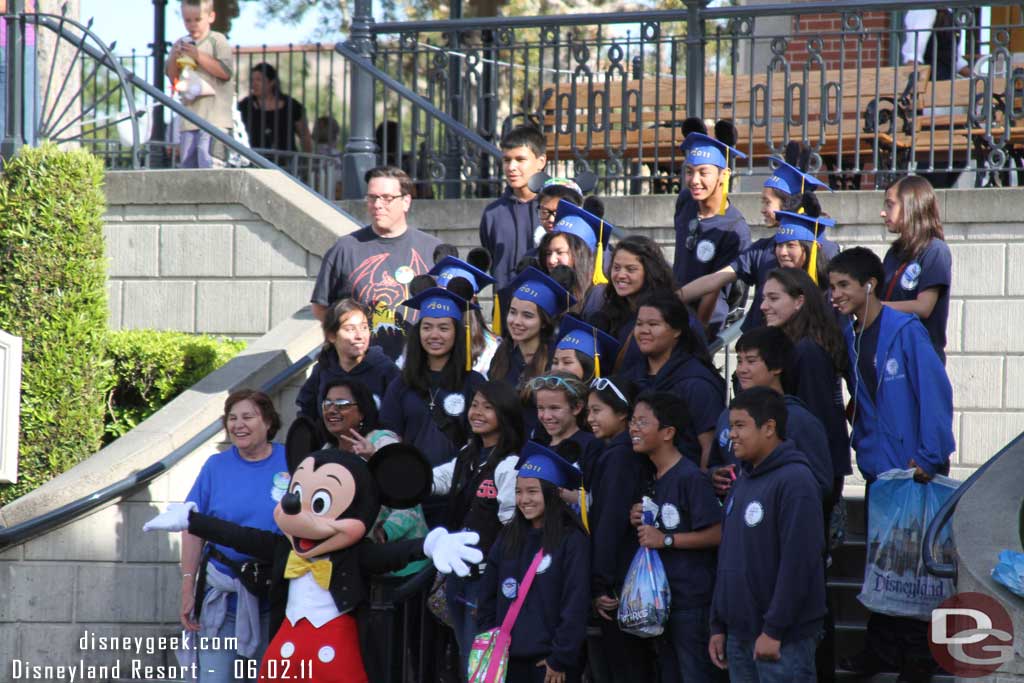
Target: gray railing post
[[695, 57], [14, 100], [157, 148], [453, 145], [361, 148]]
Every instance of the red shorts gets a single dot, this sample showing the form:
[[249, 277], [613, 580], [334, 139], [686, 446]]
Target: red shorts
[[329, 654]]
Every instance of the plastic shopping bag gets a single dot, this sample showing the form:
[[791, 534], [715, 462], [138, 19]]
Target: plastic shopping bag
[[899, 511], [644, 604], [1010, 571]]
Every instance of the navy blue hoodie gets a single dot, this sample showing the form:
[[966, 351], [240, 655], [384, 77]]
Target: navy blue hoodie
[[506, 230], [615, 481], [771, 577], [375, 372], [802, 428], [698, 386], [553, 622], [814, 379]]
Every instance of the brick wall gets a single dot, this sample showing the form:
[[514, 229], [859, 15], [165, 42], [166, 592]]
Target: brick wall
[[837, 47]]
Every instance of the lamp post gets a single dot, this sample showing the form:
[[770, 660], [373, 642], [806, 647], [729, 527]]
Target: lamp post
[[158, 138], [14, 100], [361, 148]]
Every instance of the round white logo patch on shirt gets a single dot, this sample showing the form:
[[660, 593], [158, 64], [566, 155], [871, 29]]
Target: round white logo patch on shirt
[[454, 404], [705, 251], [911, 276], [892, 367], [669, 516], [545, 562], [509, 588], [404, 274], [753, 514]]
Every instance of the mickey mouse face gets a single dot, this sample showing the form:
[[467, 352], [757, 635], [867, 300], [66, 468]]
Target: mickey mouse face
[[312, 510]]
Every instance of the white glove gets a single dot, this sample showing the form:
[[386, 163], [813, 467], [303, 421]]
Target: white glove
[[450, 552], [175, 519]]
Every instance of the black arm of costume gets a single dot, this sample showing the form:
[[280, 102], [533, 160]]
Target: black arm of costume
[[257, 543], [380, 558]]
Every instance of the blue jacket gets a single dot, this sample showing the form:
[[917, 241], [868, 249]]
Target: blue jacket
[[771, 577], [911, 415], [375, 372], [553, 621], [506, 230], [814, 379]]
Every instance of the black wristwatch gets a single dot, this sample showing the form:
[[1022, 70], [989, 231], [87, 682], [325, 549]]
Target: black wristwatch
[[669, 540]]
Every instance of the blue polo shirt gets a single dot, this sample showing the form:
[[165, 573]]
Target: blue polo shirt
[[686, 502]]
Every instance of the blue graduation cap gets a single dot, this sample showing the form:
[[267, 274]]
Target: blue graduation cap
[[450, 267], [792, 180], [589, 340], [436, 302], [540, 462], [593, 230], [704, 149], [541, 289], [800, 226]]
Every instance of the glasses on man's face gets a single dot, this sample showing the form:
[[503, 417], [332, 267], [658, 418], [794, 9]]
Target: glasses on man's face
[[642, 423], [551, 382], [337, 403], [385, 199], [546, 214], [602, 383]]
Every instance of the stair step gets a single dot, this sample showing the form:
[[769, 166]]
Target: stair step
[[886, 677]]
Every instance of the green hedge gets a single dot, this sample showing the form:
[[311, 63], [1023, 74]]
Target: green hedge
[[151, 368], [53, 294]]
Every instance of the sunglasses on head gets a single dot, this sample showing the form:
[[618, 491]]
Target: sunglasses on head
[[551, 382], [602, 383]]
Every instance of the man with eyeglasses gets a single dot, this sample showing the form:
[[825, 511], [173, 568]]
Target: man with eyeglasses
[[375, 264]]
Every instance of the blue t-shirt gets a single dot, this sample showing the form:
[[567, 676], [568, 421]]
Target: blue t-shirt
[[237, 490], [932, 268], [706, 246], [686, 502]]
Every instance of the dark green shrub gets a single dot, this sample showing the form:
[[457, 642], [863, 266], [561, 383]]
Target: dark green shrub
[[53, 294], [151, 368]]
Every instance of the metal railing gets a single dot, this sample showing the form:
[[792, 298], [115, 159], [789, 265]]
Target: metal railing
[[610, 90]]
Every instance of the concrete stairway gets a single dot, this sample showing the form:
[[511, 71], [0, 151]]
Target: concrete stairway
[[845, 578]]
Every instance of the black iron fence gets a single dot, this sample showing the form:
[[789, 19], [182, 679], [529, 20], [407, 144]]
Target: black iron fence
[[876, 89]]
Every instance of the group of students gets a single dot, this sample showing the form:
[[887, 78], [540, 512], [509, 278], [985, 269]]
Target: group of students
[[596, 368]]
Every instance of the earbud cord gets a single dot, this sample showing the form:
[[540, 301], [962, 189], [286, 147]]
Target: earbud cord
[[857, 337]]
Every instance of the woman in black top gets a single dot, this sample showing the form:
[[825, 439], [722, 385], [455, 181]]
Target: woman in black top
[[273, 119]]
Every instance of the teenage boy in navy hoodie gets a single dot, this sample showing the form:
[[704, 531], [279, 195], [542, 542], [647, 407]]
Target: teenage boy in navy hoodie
[[508, 223], [687, 528], [769, 601], [902, 419]]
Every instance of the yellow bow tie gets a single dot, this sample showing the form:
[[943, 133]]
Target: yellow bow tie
[[297, 566]]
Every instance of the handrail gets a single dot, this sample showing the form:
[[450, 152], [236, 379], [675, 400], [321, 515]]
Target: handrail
[[819, 7], [353, 56], [22, 532], [948, 570]]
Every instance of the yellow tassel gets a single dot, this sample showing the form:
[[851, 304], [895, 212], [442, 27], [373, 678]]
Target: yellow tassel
[[801, 209], [597, 355], [583, 509], [599, 278], [812, 260], [496, 316], [725, 187], [469, 342]]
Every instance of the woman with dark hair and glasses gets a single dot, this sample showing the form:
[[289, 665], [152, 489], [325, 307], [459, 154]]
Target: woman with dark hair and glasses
[[675, 361], [480, 483], [346, 354], [615, 479]]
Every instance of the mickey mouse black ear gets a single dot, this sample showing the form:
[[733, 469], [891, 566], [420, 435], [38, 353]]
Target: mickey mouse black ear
[[462, 287], [587, 181], [479, 258], [725, 132], [403, 475], [537, 180], [420, 283], [303, 438], [694, 124]]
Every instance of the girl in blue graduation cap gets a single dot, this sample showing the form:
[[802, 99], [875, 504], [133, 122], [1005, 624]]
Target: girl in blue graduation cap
[[578, 240], [535, 306], [583, 350], [466, 280], [789, 189], [547, 637], [426, 404]]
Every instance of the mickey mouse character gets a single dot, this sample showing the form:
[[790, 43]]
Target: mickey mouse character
[[322, 559]]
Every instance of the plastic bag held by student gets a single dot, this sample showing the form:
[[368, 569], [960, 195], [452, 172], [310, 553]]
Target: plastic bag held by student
[[895, 580], [644, 606]]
